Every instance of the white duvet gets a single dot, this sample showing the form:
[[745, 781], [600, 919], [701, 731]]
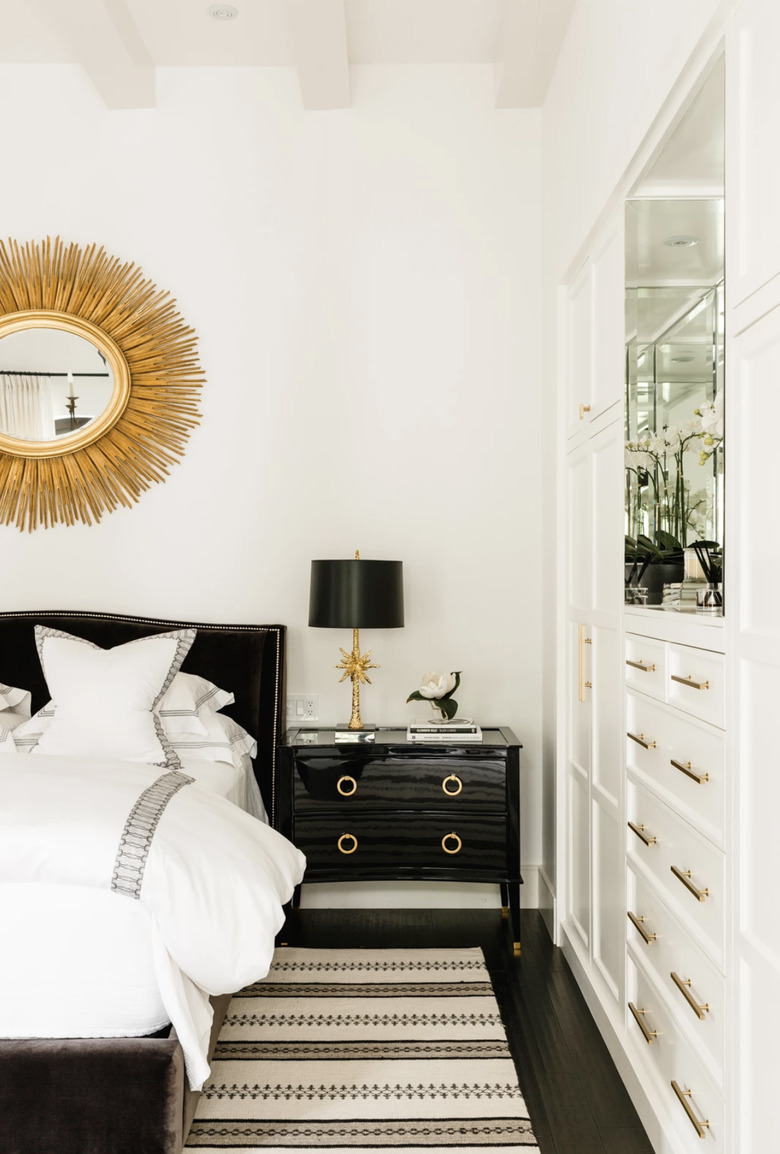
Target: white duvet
[[213, 880]]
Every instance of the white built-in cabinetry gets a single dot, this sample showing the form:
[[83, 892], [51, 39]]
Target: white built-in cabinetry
[[689, 888], [591, 848], [676, 886]]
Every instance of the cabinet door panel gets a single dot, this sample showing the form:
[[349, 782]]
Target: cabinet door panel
[[578, 888], [752, 190], [608, 903]]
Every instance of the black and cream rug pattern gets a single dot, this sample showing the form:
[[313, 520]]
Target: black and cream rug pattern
[[364, 1050]]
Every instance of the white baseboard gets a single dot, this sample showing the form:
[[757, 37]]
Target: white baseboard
[[416, 895]]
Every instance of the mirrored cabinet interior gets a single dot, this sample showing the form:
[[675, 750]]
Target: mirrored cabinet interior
[[675, 370]]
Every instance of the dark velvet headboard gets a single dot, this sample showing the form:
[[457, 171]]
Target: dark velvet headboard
[[247, 660]]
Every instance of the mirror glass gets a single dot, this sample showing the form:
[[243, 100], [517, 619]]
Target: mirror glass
[[52, 383], [674, 414]]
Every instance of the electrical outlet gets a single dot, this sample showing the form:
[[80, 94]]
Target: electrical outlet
[[303, 707]]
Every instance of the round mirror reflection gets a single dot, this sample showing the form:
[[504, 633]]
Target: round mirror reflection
[[53, 383]]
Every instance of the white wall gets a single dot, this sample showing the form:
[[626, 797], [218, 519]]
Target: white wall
[[364, 285], [619, 64]]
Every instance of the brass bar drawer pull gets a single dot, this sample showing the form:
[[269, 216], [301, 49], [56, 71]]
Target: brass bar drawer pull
[[638, 922], [700, 1127], [639, 1015], [685, 767], [639, 738], [454, 789], [583, 410], [347, 843], [684, 986], [639, 830], [346, 785], [582, 641], [690, 682], [447, 843], [685, 877], [641, 665]]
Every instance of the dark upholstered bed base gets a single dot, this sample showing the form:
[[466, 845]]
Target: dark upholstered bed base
[[54, 1091], [128, 1095]]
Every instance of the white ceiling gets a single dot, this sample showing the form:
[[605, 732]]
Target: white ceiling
[[121, 42]]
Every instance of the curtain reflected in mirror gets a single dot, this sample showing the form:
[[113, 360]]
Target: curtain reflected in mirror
[[52, 383]]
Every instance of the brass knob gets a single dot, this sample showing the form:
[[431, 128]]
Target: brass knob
[[347, 837], [346, 785], [458, 785], [451, 837]]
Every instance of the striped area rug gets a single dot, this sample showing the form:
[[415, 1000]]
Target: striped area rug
[[354, 1050]]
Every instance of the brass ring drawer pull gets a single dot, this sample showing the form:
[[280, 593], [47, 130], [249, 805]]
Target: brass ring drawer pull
[[457, 788], [684, 986], [690, 682], [639, 738], [685, 877], [641, 665], [639, 1015], [685, 767], [637, 921], [700, 1127], [346, 838], [346, 785], [451, 837], [639, 830]]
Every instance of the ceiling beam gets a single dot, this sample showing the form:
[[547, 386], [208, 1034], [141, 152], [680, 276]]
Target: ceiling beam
[[104, 39], [318, 34], [531, 38]]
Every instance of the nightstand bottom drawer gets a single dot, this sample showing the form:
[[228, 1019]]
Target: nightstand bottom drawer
[[406, 841]]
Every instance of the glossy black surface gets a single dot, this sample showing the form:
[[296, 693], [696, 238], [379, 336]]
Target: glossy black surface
[[400, 844], [391, 809], [386, 778]]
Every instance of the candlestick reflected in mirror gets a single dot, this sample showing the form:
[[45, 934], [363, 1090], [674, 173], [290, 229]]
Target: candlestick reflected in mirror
[[356, 595]]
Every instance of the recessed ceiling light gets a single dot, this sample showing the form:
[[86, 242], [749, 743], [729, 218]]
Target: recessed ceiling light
[[222, 11], [681, 241]]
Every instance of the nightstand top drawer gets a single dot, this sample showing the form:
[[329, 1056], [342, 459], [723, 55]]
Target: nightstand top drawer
[[397, 782]]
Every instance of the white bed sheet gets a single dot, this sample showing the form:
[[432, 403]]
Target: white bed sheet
[[92, 965]]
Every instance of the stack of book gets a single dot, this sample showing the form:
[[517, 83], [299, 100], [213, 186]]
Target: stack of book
[[448, 731]]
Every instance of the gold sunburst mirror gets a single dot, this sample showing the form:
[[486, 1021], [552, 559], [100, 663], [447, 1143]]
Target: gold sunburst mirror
[[99, 383]]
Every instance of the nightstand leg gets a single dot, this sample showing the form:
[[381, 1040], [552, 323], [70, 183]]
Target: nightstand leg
[[514, 918]]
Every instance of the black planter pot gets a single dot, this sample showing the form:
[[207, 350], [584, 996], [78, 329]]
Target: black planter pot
[[660, 574]]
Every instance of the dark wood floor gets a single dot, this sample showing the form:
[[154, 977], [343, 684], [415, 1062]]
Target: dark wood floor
[[577, 1103]]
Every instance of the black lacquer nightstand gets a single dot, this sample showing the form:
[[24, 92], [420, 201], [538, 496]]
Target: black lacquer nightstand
[[395, 810]]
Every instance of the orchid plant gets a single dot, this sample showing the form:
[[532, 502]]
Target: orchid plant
[[658, 460], [438, 688]]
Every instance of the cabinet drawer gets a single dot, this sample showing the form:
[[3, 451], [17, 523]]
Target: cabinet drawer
[[645, 665], [695, 682], [668, 1057], [688, 868], [682, 757], [402, 841], [347, 783], [666, 949]]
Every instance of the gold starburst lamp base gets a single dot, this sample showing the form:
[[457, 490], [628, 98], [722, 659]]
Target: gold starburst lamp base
[[356, 594]]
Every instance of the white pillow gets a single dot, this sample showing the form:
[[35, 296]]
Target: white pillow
[[188, 696], [16, 699], [224, 740], [14, 711], [104, 698], [28, 734]]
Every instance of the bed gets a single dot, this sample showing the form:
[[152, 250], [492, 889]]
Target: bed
[[132, 1094]]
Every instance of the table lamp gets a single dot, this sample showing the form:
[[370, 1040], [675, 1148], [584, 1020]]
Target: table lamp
[[356, 595]]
